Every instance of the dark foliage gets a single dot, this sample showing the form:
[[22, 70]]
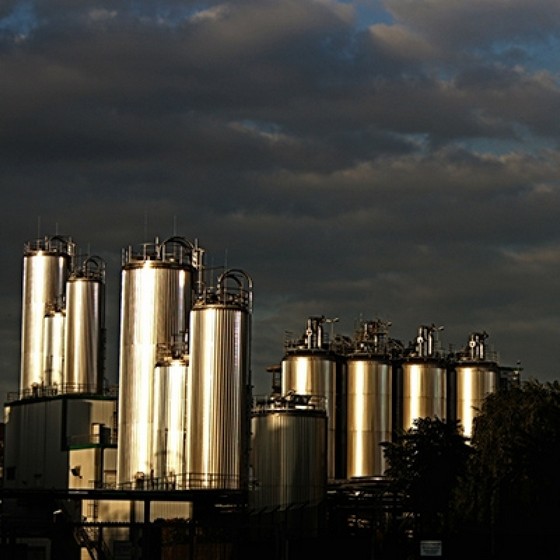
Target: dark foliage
[[512, 486], [425, 464]]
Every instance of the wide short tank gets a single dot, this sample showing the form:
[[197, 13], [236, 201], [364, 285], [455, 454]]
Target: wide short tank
[[310, 368], [218, 389], [476, 375], [85, 328], [46, 265], [288, 458], [156, 298], [369, 400]]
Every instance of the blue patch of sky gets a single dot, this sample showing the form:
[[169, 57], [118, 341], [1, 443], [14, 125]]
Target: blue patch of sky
[[21, 21], [521, 142], [531, 55], [369, 12], [545, 55], [168, 13]]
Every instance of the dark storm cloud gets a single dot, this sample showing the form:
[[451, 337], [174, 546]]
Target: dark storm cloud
[[394, 158]]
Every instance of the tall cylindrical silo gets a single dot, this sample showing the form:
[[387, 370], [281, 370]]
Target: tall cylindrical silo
[[170, 417], [85, 328], [46, 265], [289, 460], [218, 389], [424, 380], [369, 401], [475, 377], [156, 298], [310, 368]]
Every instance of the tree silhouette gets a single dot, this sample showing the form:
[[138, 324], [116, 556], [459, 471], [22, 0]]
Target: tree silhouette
[[513, 485], [425, 464]]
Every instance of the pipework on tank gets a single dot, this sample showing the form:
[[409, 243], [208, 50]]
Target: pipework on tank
[[426, 342], [372, 337], [314, 332], [477, 347], [290, 401], [240, 293], [172, 250], [56, 244], [91, 268]]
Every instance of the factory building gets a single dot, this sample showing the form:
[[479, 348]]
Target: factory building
[[181, 457]]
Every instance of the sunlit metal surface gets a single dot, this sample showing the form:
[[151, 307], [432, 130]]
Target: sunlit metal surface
[[85, 321], [156, 296], [288, 456], [169, 428], [313, 372], [369, 415], [46, 265], [424, 390], [474, 382], [53, 348], [218, 395]]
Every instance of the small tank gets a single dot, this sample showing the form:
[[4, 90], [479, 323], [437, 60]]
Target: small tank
[[53, 347], [170, 416]]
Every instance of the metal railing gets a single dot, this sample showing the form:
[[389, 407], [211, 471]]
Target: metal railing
[[43, 391], [182, 481]]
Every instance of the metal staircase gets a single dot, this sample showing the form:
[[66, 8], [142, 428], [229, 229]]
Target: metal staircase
[[86, 535]]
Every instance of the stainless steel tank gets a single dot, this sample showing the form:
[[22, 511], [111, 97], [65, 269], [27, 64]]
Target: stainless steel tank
[[476, 376], [53, 348], [85, 328], [46, 265], [310, 368], [156, 298], [170, 418], [369, 400], [289, 458], [218, 390], [424, 379]]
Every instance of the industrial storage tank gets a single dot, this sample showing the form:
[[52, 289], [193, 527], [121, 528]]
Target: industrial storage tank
[[85, 328], [53, 348], [170, 416], [46, 265], [476, 374], [289, 460], [157, 282], [219, 385], [423, 379], [310, 367], [369, 400]]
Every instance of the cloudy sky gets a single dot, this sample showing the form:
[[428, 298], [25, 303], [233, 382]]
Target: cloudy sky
[[390, 159]]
